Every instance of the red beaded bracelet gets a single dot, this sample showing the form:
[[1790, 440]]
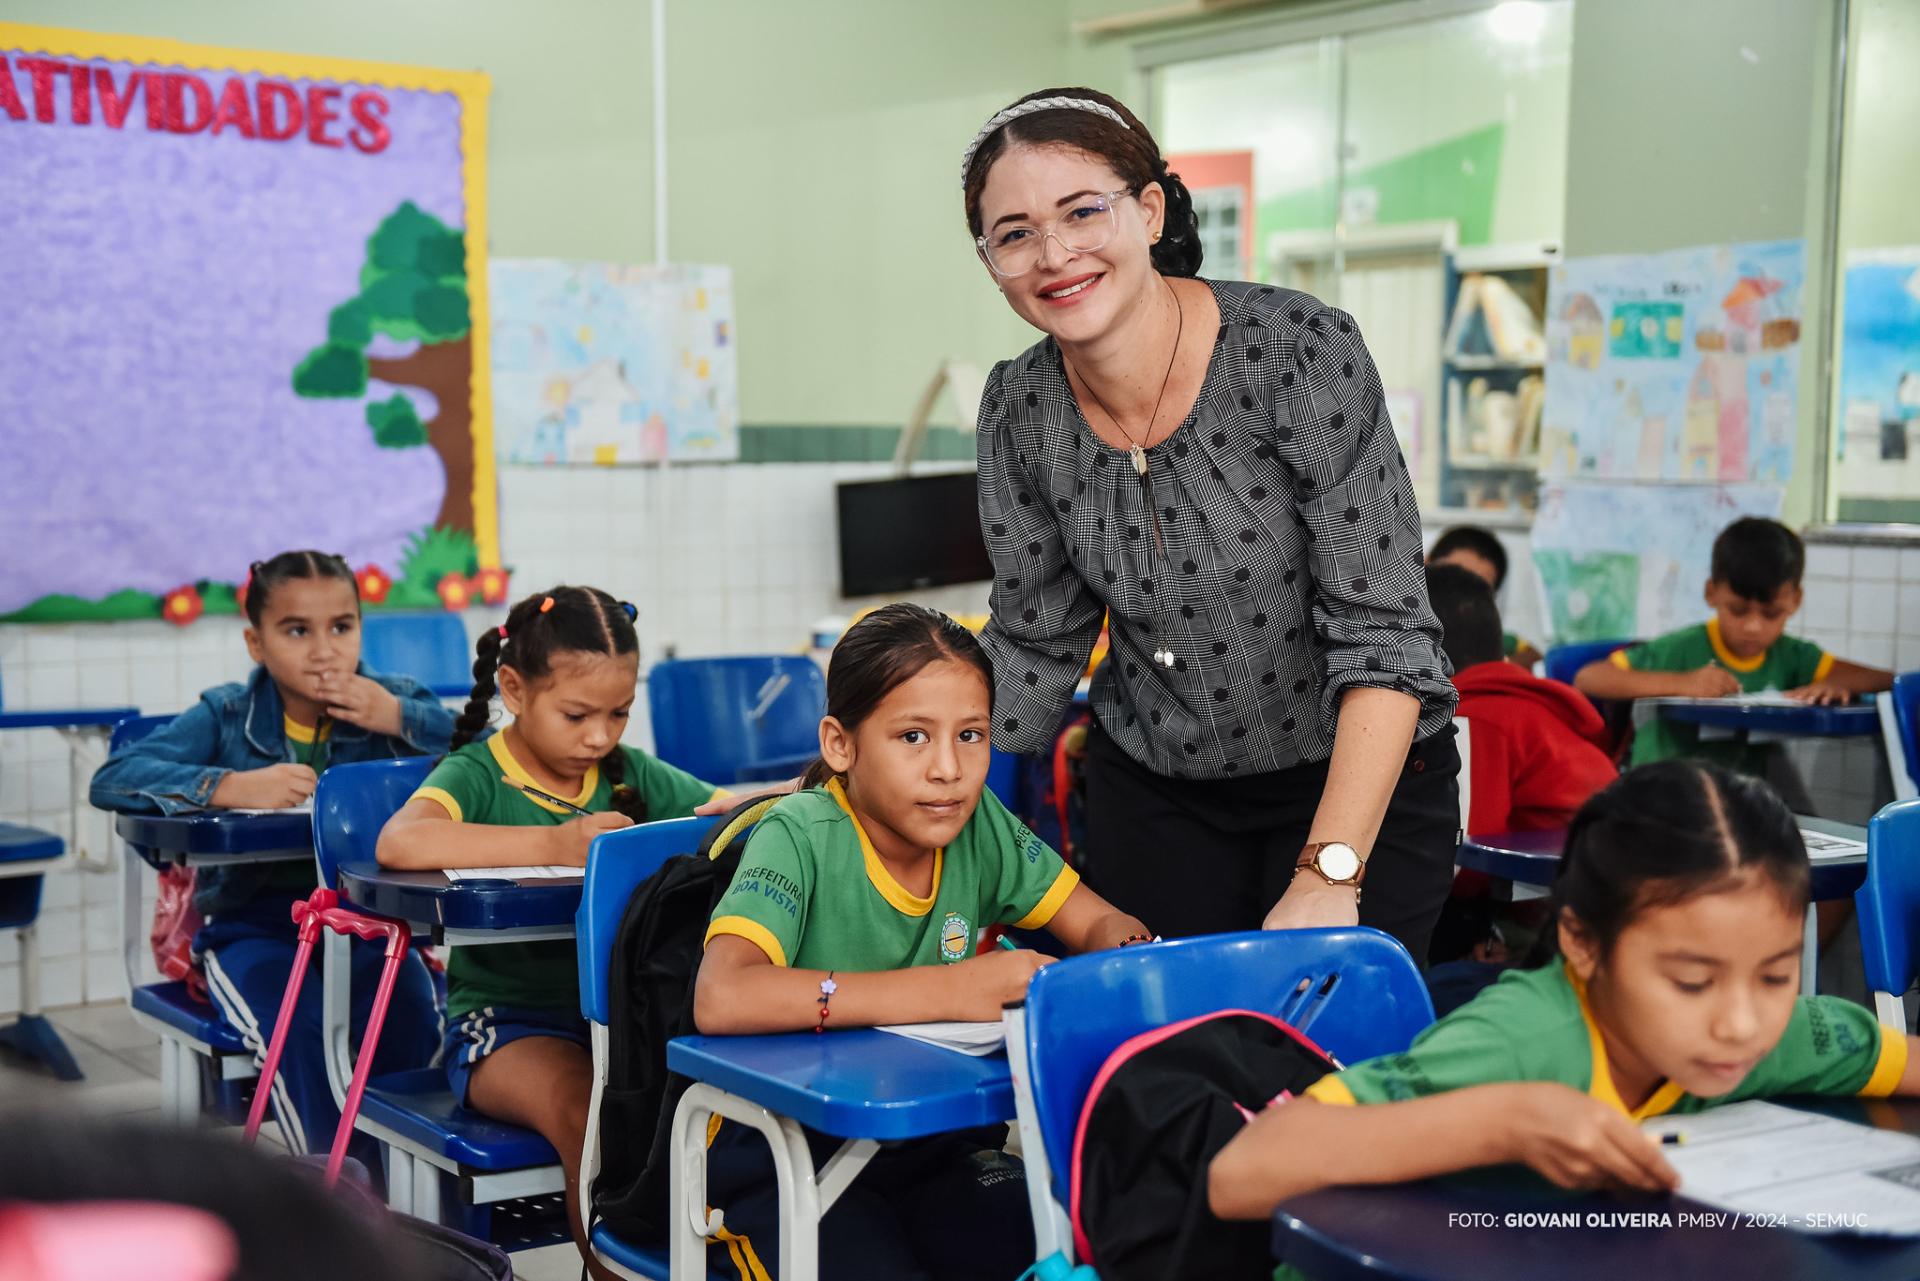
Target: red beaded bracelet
[[1135, 938], [827, 988]]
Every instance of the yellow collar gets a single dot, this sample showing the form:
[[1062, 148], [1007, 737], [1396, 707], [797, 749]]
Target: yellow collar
[[514, 770], [305, 733], [890, 889], [1602, 1087], [1725, 655]]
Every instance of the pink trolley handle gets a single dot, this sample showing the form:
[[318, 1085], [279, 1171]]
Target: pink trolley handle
[[322, 910]]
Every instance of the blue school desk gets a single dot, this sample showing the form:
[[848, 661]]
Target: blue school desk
[[26, 857], [863, 1086], [1762, 723], [188, 1028], [1408, 1231], [494, 910], [1533, 859]]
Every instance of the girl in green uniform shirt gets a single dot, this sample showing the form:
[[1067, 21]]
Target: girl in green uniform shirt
[[1681, 901]]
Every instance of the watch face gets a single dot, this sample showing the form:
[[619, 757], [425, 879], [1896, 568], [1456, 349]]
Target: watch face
[[1338, 862]]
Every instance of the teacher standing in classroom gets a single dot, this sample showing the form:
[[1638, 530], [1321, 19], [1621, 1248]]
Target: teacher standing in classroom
[[1210, 465]]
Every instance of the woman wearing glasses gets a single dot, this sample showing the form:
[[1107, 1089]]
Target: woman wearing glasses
[[1210, 465]]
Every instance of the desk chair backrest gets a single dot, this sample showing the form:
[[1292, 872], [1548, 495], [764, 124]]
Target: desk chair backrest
[[133, 729], [616, 864], [715, 717], [431, 648], [1900, 721], [1563, 662], [1889, 907], [1354, 991], [351, 805]]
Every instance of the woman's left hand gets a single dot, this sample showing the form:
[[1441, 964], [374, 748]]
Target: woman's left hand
[[366, 703], [1311, 903]]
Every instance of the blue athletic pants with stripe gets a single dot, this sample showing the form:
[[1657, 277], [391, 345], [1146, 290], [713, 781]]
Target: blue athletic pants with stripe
[[248, 957]]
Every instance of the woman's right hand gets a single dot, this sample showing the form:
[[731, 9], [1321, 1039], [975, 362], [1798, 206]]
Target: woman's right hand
[[276, 787], [570, 840], [995, 979], [1580, 1142]]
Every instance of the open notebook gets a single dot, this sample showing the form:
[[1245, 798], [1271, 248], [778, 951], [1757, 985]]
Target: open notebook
[[976, 1039]]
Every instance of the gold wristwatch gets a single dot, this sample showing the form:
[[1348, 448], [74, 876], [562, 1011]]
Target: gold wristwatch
[[1336, 862]]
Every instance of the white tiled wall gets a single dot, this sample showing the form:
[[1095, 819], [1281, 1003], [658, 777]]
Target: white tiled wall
[[736, 559]]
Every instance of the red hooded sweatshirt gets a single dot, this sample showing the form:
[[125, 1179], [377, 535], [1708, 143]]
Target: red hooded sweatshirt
[[1536, 748]]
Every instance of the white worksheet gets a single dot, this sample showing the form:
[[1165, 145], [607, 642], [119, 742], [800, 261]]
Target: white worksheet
[[977, 1039], [554, 872]]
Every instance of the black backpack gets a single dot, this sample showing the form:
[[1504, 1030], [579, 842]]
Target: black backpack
[[656, 956], [1162, 1106]]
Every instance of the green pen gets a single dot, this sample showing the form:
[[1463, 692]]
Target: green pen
[[1009, 944]]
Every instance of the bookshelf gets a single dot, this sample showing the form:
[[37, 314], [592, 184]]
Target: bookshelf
[[1492, 374]]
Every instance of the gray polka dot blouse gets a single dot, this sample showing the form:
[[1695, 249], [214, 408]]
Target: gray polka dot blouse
[[1274, 563]]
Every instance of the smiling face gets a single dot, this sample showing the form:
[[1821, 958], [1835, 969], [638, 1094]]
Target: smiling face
[[1695, 992], [1076, 297], [565, 721], [915, 766], [309, 630]]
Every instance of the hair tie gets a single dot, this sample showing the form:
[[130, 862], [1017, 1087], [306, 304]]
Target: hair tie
[[502, 629], [546, 604], [628, 608], [1027, 108]]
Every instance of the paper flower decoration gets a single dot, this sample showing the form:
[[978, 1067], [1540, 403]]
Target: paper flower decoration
[[491, 584], [374, 584], [182, 605], [456, 591]]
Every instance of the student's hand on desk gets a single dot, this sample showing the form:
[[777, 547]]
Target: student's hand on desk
[[722, 803], [993, 980], [276, 787], [1821, 694], [1711, 681], [366, 703], [569, 840], [1311, 903], [1580, 1142]]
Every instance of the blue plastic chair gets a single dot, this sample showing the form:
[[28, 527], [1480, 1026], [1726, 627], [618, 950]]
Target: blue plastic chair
[[414, 1113], [30, 1034], [616, 865], [1563, 662], [731, 720], [1355, 991], [1888, 903], [191, 1032], [1900, 721], [431, 648]]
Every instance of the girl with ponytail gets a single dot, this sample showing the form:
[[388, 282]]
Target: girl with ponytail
[[564, 665], [1208, 466]]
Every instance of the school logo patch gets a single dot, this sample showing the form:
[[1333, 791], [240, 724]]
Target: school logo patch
[[956, 937]]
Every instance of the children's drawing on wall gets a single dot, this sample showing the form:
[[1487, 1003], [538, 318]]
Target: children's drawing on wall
[[294, 371], [1674, 366], [1619, 561], [609, 364], [1877, 450]]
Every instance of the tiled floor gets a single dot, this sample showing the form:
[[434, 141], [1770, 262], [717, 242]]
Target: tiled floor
[[121, 1061]]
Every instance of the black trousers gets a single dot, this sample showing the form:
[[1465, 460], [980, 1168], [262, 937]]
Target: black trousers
[[1208, 857]]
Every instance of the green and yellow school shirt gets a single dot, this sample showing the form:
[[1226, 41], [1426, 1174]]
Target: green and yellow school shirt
[[1535, 1025], [1789, 664], [466, 783], [812, 894]]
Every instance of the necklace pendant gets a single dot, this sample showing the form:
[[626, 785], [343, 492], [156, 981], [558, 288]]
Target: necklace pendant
[[1139, 457]]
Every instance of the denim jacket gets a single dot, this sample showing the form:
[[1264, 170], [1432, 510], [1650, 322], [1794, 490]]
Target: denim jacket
[[237, 727]]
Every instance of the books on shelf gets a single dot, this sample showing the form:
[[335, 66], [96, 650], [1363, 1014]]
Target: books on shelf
[[1491, 320]]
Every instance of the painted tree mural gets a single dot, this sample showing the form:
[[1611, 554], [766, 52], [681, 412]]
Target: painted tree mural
[[413, 288]]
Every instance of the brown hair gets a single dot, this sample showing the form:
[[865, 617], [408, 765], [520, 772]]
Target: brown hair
[[1130, 152], [882, 652]]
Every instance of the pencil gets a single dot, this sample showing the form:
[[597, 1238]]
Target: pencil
[[548, 797], [1007, 943], [1673, 1139]]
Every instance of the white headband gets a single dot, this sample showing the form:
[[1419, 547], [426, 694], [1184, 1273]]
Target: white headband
[[1027, 108]]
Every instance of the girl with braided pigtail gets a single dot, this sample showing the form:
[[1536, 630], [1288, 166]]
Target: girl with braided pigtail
[[564, 664]]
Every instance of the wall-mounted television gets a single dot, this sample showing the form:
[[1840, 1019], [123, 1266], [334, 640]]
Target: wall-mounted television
[[917, 531]]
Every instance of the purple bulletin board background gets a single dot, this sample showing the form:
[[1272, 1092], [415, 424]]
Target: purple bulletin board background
[[157, 291]]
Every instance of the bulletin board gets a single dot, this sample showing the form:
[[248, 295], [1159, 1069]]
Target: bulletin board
[[246, 311]]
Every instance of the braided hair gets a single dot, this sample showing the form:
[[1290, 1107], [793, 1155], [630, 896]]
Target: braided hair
[[565, 620], [1129, 150], [265, 575]]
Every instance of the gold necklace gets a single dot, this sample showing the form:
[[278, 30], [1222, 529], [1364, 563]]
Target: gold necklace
[[1136, 448]]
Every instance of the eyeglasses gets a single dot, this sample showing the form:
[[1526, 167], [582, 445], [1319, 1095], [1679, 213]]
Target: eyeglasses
[[1014, 249]]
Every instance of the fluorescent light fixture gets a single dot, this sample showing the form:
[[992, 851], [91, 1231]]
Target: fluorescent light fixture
[[1517, 21]]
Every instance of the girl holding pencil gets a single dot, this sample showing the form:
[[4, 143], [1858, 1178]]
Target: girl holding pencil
[[564, 664]]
